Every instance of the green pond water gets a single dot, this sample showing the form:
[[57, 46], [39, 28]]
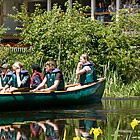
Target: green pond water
[[77, 121]]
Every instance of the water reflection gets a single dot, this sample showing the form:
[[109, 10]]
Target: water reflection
[[50, 130], [51, 124]]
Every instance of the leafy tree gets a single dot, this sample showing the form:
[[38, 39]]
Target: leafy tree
[[2, 31], [64, 36]]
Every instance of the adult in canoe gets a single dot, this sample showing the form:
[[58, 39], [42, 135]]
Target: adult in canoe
[[5, 75], [53, 78], [86, 70], [37, 76], [20, 78]]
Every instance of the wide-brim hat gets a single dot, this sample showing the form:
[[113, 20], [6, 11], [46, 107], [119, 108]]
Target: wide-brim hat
[[5, 66]]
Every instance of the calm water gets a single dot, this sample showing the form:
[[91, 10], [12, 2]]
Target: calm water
[[50, 124]]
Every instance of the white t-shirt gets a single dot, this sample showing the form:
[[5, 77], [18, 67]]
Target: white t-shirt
[[112, 8], [126, 6], [88, 69]]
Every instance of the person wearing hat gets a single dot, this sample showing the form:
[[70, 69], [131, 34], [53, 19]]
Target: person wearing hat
[[37, 77], [20, 79], [5, 75]]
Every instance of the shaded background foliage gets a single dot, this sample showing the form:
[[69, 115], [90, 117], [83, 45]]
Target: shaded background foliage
[[64, 35]]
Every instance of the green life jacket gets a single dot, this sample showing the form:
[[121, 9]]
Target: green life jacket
[[51, 78], [14, 79], [5, 80], [88, 77]]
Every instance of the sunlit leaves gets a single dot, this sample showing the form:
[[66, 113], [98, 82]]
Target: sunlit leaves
[[103, 43]]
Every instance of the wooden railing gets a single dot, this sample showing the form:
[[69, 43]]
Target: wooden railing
[[10, 37], [101, 13], [105, 14]]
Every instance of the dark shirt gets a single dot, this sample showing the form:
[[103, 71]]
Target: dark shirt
[[58, 76], [100, 9], [36, 81]]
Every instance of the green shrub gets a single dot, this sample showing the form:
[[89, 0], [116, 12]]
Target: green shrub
[[64, 36]]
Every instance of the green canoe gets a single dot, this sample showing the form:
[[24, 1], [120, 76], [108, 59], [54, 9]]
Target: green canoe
[[82, 95]]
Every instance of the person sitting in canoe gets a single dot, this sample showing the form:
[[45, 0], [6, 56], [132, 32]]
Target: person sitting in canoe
[[37, 77], [5, 75], [20, 78], [86, 70], [54, 78]]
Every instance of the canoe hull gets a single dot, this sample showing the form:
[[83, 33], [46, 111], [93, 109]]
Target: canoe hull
[[28, 100]]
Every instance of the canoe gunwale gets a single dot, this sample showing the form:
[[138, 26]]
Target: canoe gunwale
[[65, 91]]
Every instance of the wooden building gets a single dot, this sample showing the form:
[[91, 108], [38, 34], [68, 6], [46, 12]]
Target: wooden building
[[6, 7]]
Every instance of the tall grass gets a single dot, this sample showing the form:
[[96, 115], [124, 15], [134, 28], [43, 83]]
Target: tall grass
[[70, 77], [115, 87]]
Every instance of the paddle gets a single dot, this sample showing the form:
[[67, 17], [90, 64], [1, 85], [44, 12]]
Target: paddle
[[20, 90]]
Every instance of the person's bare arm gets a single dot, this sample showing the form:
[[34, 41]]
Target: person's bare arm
[[56, 83], [6, 87], [78, 70], [18, 77], [52, 124], [1, 87]]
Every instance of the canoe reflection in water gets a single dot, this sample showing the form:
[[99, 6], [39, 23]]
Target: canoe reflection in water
[[47, 131], [84, 128], [50, 124], [7, 133]]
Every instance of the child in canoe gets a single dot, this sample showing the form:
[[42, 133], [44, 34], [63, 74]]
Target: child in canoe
[[53, 78], [20, 78], [5, 75], [37, 77], [86, 70]]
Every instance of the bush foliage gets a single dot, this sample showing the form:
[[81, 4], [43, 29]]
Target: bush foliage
[[64, 35]]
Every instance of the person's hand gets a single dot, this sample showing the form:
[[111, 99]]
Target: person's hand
[[18, 71], [11, 89], [43, 90], [34, 90], [1, 88], [3, 91], [80, 64], [6, 90]]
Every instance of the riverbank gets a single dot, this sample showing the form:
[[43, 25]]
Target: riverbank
[[119, 89]]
